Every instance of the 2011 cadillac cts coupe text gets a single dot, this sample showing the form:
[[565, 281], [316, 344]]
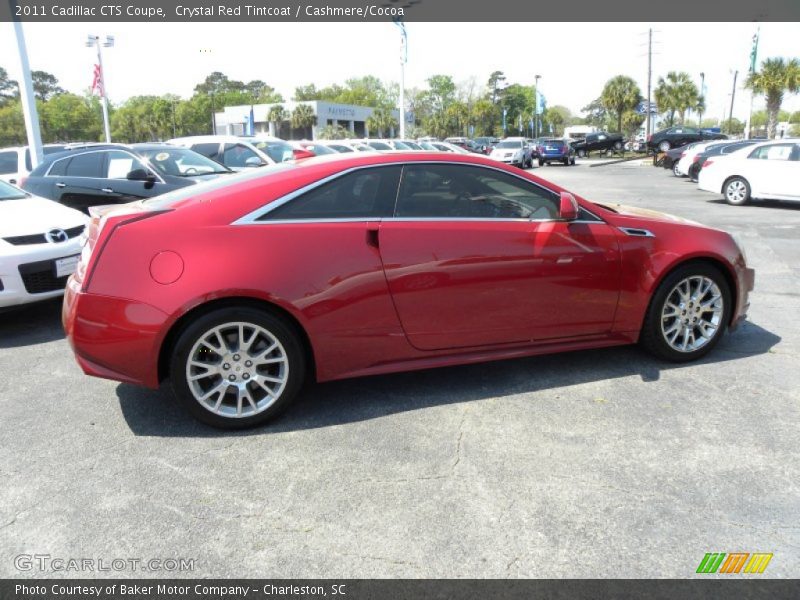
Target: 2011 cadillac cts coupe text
[[338, 266]]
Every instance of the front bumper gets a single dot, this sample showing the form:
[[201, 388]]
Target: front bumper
[[746, 284], [113, 338], [27, 272]]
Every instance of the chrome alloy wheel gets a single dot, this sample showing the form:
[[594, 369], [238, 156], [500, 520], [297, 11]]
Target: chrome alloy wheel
[[736, 191], [237, 370], [692, 313]]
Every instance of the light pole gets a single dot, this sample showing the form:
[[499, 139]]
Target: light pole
[[94, 40], [403, 61], [733, 97], [536, 79], [702, 100]]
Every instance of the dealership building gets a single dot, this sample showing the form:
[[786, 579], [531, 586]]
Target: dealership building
[[234, 120]]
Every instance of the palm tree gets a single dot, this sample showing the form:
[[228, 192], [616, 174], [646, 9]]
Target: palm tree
[[677, 93], [775, 77], [620, 95], [303, 117], [276, 116], [381, 120]]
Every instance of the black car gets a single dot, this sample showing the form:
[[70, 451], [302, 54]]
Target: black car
[[115, 173], [673, 137], [601, 141], [716, 150], [673, 156]]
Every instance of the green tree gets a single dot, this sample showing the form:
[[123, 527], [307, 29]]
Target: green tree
[[277, 114], [596, 114], [732, 127], [776, 77], [381, 120], [69, 118], [675, 94], [45, 85], [334, 132], [496, 85], [12, 125], [485, 117], [620, 95], [303, 118], [9, 89]]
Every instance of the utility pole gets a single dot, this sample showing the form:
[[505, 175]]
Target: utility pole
[[28, 99], [403, 60], [649, 79], [702, 100], [753, 60], [733, 96], [536, 79]]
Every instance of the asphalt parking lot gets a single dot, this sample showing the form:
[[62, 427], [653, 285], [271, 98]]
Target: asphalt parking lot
[[603, 463]]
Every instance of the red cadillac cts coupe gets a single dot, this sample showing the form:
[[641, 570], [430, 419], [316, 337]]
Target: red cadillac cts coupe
[[341, 266]]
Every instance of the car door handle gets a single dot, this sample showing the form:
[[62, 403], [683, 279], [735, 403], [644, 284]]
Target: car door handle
[[107, 190], [61, 185], [372, 236]]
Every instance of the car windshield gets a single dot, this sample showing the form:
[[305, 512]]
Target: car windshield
[[180, 162], [413, 145], [401, 146], [379, 145], [9, 192], [319, 149], [279, 151], [509, 145], [167, 200]]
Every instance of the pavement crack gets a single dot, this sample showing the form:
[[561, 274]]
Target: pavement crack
[[458, 441]]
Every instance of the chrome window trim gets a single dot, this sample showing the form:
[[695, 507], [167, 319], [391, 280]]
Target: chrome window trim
[[252, 217]]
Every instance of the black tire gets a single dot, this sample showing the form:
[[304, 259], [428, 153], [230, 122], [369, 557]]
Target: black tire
[[572, 161], [652, 336], [736, 191], [566, 161], [617, 146], [664, 146], [276, 326], [541, 163]]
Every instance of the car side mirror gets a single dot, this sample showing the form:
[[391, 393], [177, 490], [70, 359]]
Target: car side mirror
[[253, 161], [140, 175], [568, 207]]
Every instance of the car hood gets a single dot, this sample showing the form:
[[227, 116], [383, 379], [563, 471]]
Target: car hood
[[506, 150], [33, 215], [651, 215]]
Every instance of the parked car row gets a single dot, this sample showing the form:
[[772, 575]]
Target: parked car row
[[741, 170]]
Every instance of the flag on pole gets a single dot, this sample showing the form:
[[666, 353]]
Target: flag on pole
[[754, 51], [505, 112], [97, 82]]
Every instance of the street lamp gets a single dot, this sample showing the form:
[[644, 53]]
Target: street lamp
[[100, 78], [403, 61], [536, 79]]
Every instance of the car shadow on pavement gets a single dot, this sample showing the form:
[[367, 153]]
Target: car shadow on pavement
[[782, 204], [150, 413], [31, 324]]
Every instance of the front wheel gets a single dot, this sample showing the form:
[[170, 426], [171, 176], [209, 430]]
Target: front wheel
[[675, 170], [541, 163], [664, 146], [688, 313], [237, 367], [737, 191], [582, 153], [617, 146]]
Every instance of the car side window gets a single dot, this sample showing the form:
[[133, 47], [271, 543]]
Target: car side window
[[120, 163], [58, 168], [8, 162], [362, 194], [463, 191], [236, 155], [774, 152], [211, 150], [85, 165]]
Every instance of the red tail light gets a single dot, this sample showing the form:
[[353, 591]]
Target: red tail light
[[697, 158], [707, 162], [22, 181]]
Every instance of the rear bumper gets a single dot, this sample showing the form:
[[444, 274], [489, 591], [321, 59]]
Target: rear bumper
[[113, 338]]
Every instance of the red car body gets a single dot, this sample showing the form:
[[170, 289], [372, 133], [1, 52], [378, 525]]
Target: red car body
[[375, 295]]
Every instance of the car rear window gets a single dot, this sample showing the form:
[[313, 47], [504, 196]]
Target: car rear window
[[8, 162], [86, 165]]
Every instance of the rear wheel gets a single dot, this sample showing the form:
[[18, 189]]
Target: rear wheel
[[675, 170], [688, 313], [237, 367], [664, 146], [582, 153], [737, 191], [617, 146], [541, 162]]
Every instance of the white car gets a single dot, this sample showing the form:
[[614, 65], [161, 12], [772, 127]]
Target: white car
[[768, 170], [15, 162], [681, 167], [238, 152], [512, 151], [347, 146], [40, 244]]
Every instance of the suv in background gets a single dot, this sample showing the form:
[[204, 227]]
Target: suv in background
[[15, 162], [116, 173], [556, 150]]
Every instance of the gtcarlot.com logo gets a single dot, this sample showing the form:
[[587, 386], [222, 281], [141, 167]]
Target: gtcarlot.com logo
[[734, 562], [60, 564]]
